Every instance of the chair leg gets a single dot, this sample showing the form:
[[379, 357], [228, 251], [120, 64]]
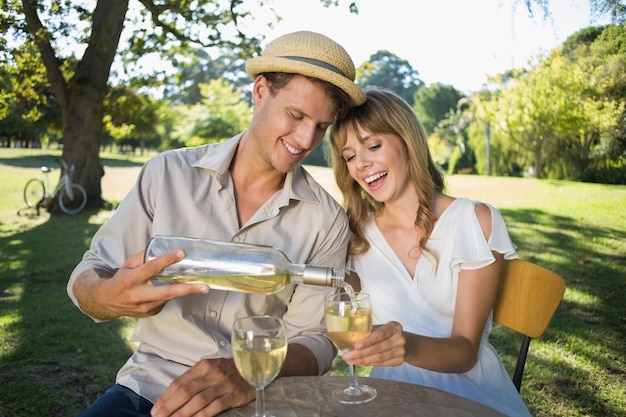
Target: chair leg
[[521, 362]]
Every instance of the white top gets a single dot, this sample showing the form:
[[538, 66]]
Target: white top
[[425, 305]]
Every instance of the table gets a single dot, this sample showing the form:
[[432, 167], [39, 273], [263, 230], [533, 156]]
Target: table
[[311, 396]]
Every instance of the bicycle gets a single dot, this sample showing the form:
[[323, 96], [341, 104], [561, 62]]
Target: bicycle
[[72, 196]]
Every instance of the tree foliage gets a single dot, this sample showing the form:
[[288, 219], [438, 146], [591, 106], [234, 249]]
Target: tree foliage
[[562, 116], [564, 113], [435, 103], [387, 70], [197, 67], [221, 113], [131, 118], [96, 28], [616, 9], [28, 107]]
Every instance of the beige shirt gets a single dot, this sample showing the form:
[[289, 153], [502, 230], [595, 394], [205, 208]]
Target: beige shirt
[[189, 192]]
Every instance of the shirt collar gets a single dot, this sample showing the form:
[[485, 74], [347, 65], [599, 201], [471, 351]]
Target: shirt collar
[[218, 158]]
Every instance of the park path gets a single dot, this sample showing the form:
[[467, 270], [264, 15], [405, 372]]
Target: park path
[[118, 181]]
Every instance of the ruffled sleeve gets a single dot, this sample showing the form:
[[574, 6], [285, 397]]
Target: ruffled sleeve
[[469, 249], [500, 241]]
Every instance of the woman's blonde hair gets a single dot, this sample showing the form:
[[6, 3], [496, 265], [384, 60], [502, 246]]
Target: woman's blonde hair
[[384, 112]]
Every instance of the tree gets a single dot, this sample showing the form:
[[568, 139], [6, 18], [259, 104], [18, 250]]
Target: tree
[[28, 108], [223, 113], [389, 71], [452, 131], [200, 68], [434, 103], [558, 112], [81, 95], [157, 26], [605, 58], [131, 117], [478, 110]]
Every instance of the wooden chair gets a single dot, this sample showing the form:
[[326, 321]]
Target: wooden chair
[[527, 299]]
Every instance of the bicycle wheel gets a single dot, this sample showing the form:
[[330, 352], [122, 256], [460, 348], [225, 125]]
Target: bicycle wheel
[[34, 192], [74, 203]]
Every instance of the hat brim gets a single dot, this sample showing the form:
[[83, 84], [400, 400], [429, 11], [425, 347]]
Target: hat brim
[[261, 64]]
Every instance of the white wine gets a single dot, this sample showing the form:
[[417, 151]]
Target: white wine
[[257, 284], [346, 325], [230, 266], [259, 359], [349, 319]]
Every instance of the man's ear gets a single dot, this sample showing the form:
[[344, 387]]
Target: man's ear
[[260, 89]]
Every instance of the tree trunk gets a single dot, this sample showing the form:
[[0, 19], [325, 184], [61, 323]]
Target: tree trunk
[[82, 97], [538, 161], [583, 159], [84, 109], [488, 147], [82, 129]]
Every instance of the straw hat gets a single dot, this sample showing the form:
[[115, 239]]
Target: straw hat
[[310, 54]]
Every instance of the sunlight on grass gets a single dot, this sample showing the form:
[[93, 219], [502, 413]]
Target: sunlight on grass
[[10, 319], [581, 297], [585, 376], [549, 351], [100, 217], [12, 343], [14, 258], [587, 373], [12, 293]]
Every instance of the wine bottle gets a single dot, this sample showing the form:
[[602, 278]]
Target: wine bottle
[[230, 266]]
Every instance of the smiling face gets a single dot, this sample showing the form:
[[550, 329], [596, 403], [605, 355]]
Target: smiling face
[[378, 163], [289, 122]]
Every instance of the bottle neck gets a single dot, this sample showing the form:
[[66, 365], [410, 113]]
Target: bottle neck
[[316, 275]]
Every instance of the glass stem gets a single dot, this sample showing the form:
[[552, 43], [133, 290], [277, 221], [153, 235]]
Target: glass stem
[[354, 384], [260, 403]]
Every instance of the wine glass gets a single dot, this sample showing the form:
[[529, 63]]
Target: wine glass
[[348, 320], [259, 349]]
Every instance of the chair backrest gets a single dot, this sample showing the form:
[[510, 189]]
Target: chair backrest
[[527, 299]]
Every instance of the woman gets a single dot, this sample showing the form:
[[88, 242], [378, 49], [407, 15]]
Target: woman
[[430, 262]]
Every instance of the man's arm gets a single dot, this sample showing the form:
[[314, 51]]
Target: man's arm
[[299, 361]]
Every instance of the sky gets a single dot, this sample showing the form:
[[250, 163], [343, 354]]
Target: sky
[[455, 42]]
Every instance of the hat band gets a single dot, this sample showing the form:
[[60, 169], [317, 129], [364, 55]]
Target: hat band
[[317, 63]]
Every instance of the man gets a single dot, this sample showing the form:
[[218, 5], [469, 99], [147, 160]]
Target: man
[[250, 188]]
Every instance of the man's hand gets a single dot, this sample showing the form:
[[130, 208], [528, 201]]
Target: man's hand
[[130, 292], [206, 389]]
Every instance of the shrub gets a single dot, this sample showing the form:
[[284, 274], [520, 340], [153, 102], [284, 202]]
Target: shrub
[[606, 172]]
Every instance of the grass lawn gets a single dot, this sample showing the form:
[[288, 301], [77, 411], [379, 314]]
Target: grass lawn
[[54, 360]]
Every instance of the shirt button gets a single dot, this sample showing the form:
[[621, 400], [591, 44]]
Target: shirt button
[[222, 343], [236, 239], [213, 313]]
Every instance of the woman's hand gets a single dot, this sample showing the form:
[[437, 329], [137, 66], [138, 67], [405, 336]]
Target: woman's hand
[[385, 346]]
